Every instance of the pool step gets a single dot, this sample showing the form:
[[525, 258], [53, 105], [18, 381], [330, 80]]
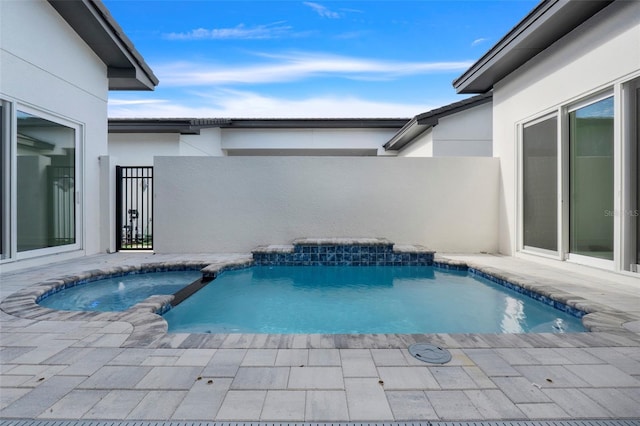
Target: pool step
[[343, 252]]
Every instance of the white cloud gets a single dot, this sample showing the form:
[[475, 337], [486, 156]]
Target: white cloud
[[239, 104], [479, 41], [270, 31], [297, 66], [322, 10]]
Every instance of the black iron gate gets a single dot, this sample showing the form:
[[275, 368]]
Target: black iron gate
[[134, 208]]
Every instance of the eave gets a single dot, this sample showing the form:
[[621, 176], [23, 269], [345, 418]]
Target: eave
[[423, 122], [194, 125], [543, 26], [91, 20]]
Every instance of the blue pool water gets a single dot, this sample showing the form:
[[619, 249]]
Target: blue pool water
[[353, 300], [119, 293]]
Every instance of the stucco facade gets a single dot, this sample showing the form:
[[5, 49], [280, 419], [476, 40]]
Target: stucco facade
[[467, 133], [311, 137], [600, 59], [64, 90], [227, 204]]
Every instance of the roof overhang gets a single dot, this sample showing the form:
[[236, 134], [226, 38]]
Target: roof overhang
[[194, 125], [91, 20], [543, 26], [184, 126], [423, 122]]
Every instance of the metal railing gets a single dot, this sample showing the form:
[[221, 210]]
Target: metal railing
[[134, 208]]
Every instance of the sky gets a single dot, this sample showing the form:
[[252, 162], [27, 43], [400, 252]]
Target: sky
[[306, 59]]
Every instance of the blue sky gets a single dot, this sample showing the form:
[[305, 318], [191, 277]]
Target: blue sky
[[297, 59]]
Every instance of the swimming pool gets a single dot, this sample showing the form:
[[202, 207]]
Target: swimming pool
[[362, 300], [118, 293]]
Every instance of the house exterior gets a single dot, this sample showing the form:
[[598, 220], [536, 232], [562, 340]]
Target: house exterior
[[566, 102], [53, 126], [137, 141], [461, 129]]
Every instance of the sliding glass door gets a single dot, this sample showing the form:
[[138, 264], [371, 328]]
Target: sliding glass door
[[46, 183], [540, 184], [591, 174]]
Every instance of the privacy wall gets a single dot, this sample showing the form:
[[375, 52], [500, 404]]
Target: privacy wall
[[230, 204]]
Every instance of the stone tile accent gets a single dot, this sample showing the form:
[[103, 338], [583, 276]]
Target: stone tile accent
[[342, 252]]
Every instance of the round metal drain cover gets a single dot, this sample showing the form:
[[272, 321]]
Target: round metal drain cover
[[429, 353]]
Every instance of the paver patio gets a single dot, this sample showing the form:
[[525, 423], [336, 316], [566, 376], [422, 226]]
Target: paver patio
[[126, 367]]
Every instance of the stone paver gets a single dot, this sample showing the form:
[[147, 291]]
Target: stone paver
[[261, 378], [453, 405], [157, 405], [117, 404], [316, 378], [366, 400], [74, 405], [123, 366], [324, 357], [411, 405], [407, 378], [203, 400], [242, 405], [326, 406], [283, 406]]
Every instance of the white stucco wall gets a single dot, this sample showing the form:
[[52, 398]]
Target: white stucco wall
[[138, 149], [603, 51], [335, 140], [466, 133], [421, 146], [68, 81], [207, 143], [233, 204]]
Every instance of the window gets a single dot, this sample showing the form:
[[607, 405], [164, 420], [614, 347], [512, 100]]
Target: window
[[591, 170], [46, 183], [540, 183]]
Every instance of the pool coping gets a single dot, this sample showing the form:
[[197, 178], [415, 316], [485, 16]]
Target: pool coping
[[150, 330]]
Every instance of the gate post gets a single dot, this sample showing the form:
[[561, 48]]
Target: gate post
[[118, 208]]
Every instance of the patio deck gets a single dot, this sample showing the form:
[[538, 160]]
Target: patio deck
[[102, 367]]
